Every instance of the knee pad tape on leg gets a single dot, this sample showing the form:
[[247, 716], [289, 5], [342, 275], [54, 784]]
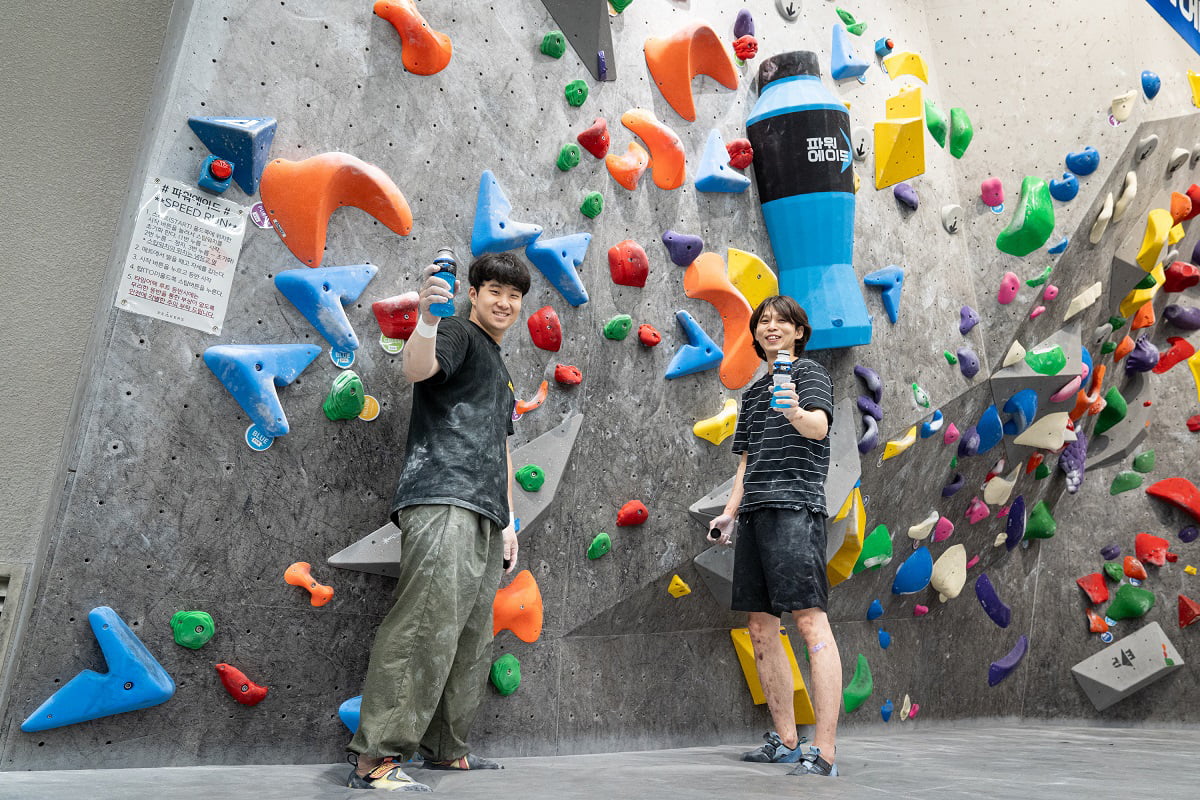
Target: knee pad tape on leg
[[816, 648]]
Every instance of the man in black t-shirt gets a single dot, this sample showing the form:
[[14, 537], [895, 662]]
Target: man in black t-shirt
[[453, 502]]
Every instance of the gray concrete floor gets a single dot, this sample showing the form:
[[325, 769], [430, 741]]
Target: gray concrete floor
[[931, 763]]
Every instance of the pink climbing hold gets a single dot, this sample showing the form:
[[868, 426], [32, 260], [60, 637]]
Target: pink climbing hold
[[951, 434], [1009, 285], [942, 530], [977, 511], [1037, 312], [992, 192], [920, 610], [1050, 292], [974, 560], [916, 709], [1068, 390]]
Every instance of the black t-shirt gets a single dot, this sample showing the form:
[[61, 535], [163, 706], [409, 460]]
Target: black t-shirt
[[461, 418], [784, 469]]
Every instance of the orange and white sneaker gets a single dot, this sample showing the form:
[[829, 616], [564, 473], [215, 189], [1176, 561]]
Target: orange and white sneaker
[[469, 761], [388, 777]]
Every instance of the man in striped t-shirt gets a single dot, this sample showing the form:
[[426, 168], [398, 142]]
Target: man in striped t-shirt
[[778, 501]]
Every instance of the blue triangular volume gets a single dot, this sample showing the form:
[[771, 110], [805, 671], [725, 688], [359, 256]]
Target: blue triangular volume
[[349, 713], [252, 371], [913, 575], [699, 354], [843, 63], [494, 232], [135, 680], [557, 259], [244, 141], [715, 174], [891, 280], [990, 429], [319, 295], [1023, 408]]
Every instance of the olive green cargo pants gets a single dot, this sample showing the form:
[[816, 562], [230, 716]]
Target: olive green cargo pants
[[430, 661]]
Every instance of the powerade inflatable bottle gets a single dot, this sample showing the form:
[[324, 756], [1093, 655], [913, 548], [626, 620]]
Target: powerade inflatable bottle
[[781, 373], [800, 134], [448, 267]]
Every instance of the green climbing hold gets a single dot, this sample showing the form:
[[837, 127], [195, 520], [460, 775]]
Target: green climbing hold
[[1040, 279], [1124, 481], [599, 546], [346, 397], [192, 629], [953, 462], [1117, 322], [1130, 602], [857, 28], [1047, 362], [1144, 462], [1114, 570], [592, 205], [1107, 347], [1033, 221], [936, 122], [1146, 282], [920, 396], [576, 92], [531, 477], [506, 674], [860, 686], [951, 359], [961, 132], [1042, 471], [1113, 412], [618, 327], [554, 44], [620, 5], [568, 157], [876, 550], [1041, 524], [852, 25]]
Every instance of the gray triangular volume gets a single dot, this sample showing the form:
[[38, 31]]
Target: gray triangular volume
[[377, 553], [1122, 278], [844, 466], [1116, 443], [585, 24], [1127, 665], [715, 566], [712, 504]]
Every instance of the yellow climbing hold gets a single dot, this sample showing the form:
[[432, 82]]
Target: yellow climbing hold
[[1194, 81], [906, 63], [1176, 234], [897, 446], [1194, 365], [717, 429], [678, 588], [841, 566], [1189, 569], [745, 654], [1139, 297], [900, 139], [1158, 227], [751, 276], [905, 104]]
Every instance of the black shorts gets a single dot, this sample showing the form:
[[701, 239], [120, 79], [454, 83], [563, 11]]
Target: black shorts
[[779, 561]]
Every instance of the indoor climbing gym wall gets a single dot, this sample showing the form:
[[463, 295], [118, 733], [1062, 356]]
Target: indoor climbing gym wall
[[985, 208]]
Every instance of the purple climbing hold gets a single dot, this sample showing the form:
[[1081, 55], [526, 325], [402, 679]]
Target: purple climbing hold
[[1143, 357], [682, 247], [1188, 535], [993, 606], [868, 406], [1196, 253], [1014, 527], [1185, 317], [1001, 669], [872, 380], [870, 438], [743, 25], [967, 318], [907, 195], [1073, 461], [954, 485], [601, 66], [1110, 551], [968, 362], [968, 445]]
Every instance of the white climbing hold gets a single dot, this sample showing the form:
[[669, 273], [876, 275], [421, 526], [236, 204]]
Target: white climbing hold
[[952, 218], [1145, 148], [1179, 157], [1049, 432], [860, 143], [923, 528], [1128, 192], [949, 572], [1083, 300], [1122, 106], [1101, 223], [1016, 352], [999, 489]]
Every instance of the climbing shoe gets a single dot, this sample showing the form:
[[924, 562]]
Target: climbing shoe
[[469, 761], [774, 751], [388, 777], [811, 763]]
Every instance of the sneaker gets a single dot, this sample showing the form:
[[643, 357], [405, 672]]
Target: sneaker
[[469, 761], [388, 776], [811, 763], [774, 751]]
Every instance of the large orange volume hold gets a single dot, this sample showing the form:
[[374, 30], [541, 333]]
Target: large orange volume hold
[[423, 50], [706, 279], [667, 159], [694, 49], [518, 608], [627, 169], [300, 196]]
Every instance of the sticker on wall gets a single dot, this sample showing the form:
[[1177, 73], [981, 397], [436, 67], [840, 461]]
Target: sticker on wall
[[390, 345], [258, 215], [258, 439]]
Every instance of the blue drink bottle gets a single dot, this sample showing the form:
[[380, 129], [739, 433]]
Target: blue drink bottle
[[781, 373], [447, 269], [800, 134]]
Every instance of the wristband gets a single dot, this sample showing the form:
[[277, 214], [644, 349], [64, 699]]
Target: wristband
[[424, 329]]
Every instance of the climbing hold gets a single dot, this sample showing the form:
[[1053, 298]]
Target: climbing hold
[[1130, 602], [346, 398], [667, 159], [567, 375], [397, 316], [1151, 83], [1179, 276], [599, 546], [949, 572], [745, 47], [895, 447], [920, 610], [618, 327], [251, 373], [906, 63], [913, 574], [989, 429], [192, 629], [1050, 432], [1151, 549], [1193, 422], [860, 686], [1144, 148], [1183, 317], [936, 122], [518, 608], [906, 195], [1179, 492], [871, 380], [683, 248], [424, 51], [554, 44], [673, 61], [1041, 278], [870, 437], [961, 132], [530, 477], [876, 550], [743, 24], [592, 205], [1115, 409], [627, 169], [1041, 524], [1181, 350], [1109, 552], [1143, 357], [576, 92], [699, 354], [891, 280], [999, 488], [1094, 587], [320, 294], [525, 406], [843, 63], [1114, 571], [968, 362], [1128, 192], [1001, 668], [977, 511], [243, 142], [1010, 284], [870, 407], [991, 191], [1179, 157], [1073, 462], [1022, 406], [545, 330], [1096, 623], [1122, 107], [300, 574], [715, 173], [899, 150], [885, 639], [1058, 248], [1189, 611], [494, 231], [923, 528], [241, 688], [1016, 523], [1064, 190], [557, 259], [968, 318], [751, 276], [852, 25], [1032, 222], [632, 513], [932, 426], [678, 587], [568, 157], [648, 335], [943, 530], [719, 427], [951, 435], [875, 610], [300, 196], [985, 592], [1084, 162], [1133, 568], [952, 218], [741, 154], [1143, 317], [1050, 361], [595, 139], [505, 674], [628, 263]]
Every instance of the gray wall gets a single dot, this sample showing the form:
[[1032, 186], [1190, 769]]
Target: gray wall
[[169, 510]]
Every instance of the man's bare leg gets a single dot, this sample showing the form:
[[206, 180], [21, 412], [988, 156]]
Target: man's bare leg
[[775, 674], [825, 666]]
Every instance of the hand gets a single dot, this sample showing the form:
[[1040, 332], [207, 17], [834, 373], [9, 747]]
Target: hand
[[510, 548], [433, 290], [723, 526], [787, 401]]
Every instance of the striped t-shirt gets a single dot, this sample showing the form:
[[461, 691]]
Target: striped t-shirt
[[784, 469]]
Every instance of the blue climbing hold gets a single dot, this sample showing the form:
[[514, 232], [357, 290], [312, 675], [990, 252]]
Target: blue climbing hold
[[885, 639], [494, 232], [557, 259], [1002, 668], [349, 712], [884, 46], [1151, 83], [876, 609], [913, 575], [1064, 190], [891, 280], [135, 680], [843, 63], [208, 180], [1023, 408], [715, 174], [932, 426], [320, 294], [1059, 247], [886, 710], [990, 429], [1087, 362], [993, 606], [245, 142], [252, 371], [699, 354], [683, 248], [1084, 162], [1014, 527]]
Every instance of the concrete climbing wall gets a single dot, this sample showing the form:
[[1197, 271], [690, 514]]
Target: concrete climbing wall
[[170, 510]]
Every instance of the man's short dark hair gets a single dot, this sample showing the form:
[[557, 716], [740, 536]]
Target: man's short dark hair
[[790, 310], [503, 268]]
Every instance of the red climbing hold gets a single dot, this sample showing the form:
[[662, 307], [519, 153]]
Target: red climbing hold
[[1135, 569], [397, 316], [595, 139], [1193, 194], [1189, 611], [568, 375], [1193, 423], [1179, 276], [1150, 548], [545, 329], [1181, 350], [628, 263], [648, 335], [1034, 462], [241, 688], [741, 154], [632, 513], [1094, 587], [1179, 492], [745, 47], [1096, 623]]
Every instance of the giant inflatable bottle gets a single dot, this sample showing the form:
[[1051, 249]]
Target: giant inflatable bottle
[[800, 134]]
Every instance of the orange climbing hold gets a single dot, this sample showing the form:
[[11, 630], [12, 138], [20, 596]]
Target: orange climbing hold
[[518, 608], [1181, 207], [300, 196], [1179, 492], [1134, 569], [667, 160], [1086, 401], [1143, 317], [525, 406], [1096, 623], [300, 574], [694, 49], [423, 50], [706, 279], [627, 169], [1124, 348]]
